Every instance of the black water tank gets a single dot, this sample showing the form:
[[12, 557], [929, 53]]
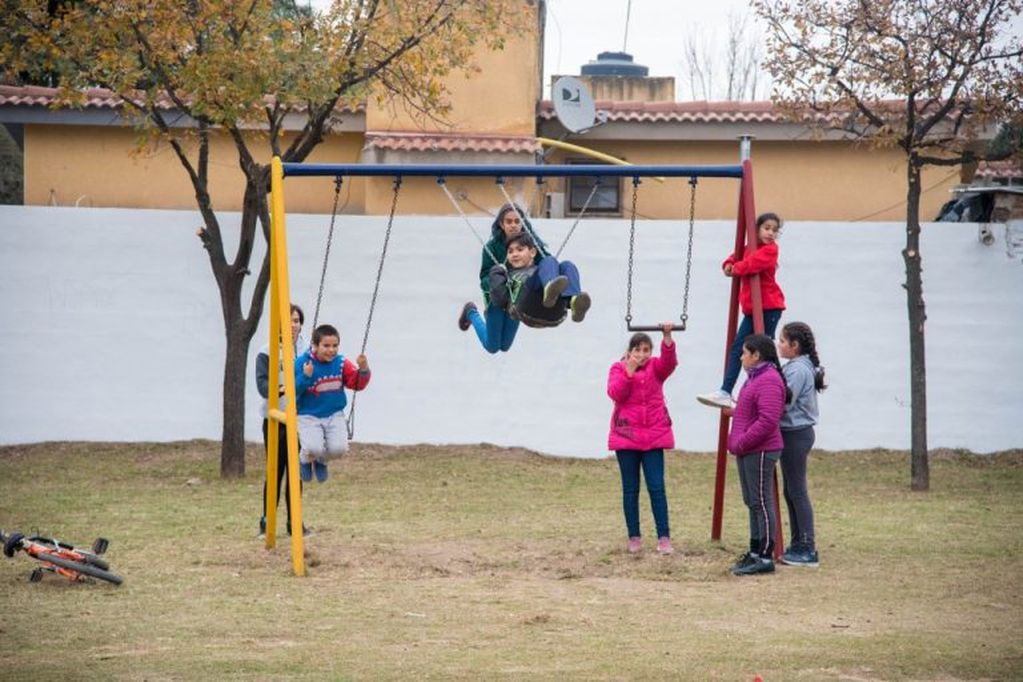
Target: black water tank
[[614, 64]]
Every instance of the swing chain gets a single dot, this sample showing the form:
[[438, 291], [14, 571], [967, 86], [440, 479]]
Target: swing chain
[[465, 218], [689, 250], [632, 248], [326, 253], [373, 300]]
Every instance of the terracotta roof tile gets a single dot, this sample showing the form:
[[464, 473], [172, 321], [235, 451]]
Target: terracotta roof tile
[[681, 112], [1008, 168], [451, 142], [94, 98]]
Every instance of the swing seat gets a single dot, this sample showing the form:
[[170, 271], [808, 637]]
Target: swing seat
[[559, 313]]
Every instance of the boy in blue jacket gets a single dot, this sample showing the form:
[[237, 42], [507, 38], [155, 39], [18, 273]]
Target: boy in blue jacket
[[321, 377]]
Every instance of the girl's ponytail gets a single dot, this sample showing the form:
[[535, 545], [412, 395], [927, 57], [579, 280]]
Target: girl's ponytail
[[800, 332]]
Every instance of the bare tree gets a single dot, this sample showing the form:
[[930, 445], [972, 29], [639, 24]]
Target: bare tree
[[930, 77], [703, 62]]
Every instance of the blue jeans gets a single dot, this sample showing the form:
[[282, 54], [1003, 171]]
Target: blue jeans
[[771, 319], [497, 332], [548, 268], [652, 463]]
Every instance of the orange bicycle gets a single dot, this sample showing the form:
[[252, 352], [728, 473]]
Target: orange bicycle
[[61, 558]]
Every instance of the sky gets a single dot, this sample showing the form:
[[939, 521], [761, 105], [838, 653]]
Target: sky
[[577, 30]]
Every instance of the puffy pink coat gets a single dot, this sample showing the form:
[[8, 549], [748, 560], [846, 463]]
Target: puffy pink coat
[[640, 420]]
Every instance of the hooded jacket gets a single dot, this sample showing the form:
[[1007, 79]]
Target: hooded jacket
[[526, 303], [755, 423], [640, 419], [762, 262]]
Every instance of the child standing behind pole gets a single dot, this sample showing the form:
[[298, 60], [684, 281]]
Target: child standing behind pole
[[321, 377], [805, 378], [641, 430], [762, 262], [756, 441], [263, 386]]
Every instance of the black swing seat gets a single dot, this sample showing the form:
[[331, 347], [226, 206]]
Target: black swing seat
[[549, 317]]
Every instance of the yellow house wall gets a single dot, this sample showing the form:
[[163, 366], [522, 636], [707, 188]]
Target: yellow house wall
[[475, 196], [98, 166], [499, 100], [799, 180]]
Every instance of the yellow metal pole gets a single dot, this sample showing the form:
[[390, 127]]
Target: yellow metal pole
[[272, 399], [601, 156], [279, 244]]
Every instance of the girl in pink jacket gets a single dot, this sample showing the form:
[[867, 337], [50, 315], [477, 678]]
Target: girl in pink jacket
[[641, 430]]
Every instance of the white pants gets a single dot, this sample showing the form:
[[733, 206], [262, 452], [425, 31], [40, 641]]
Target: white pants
[[322, 438]]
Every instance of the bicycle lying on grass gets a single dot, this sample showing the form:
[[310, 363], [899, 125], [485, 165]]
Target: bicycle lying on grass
[[61, 558]]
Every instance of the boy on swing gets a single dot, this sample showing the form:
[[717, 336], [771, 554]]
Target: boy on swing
[[321, 376], [538, 295]]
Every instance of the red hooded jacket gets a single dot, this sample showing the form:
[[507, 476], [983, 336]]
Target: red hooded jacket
[[762, 262]]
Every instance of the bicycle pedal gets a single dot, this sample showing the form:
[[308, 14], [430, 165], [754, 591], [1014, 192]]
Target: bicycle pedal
[[36, 575], [99, 546]]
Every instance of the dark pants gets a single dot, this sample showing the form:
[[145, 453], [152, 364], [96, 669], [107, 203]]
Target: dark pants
[[282, 466], [797, 498], [771, 319], [756, 475], [652, 463], [497, 332]]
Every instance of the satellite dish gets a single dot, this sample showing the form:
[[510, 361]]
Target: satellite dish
[[573, 104]]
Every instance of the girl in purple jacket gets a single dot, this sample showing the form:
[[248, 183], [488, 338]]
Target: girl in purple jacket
[[641, 430], [756, 441]]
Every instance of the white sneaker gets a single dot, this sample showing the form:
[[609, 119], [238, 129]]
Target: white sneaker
[[718, 398]]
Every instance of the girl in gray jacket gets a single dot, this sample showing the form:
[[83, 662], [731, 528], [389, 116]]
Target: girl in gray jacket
[[805, 377]]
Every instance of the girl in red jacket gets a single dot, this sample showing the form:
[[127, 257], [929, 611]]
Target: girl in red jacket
[[641, 430], [755, 440], [762, 262]]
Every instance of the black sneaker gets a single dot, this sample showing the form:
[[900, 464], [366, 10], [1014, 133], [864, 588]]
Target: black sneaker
[[463, 319], [751, 563], [801, 555], [262, 527], [552, 292]]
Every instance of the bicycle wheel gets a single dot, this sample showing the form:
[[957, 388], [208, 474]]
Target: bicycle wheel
[[93, 560], [84, 569]]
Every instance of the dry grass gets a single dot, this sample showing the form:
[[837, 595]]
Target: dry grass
[[481, 563]]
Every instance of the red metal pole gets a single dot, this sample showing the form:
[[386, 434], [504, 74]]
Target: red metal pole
[[745, 233], [742, 226], [758, 327]]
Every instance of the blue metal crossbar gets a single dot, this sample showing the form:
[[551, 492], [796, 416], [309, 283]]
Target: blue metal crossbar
[[521, 171]]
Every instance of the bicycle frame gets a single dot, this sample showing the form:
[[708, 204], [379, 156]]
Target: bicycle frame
[[61, 558]]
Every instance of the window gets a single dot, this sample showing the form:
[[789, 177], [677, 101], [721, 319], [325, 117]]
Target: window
[[606, 201]]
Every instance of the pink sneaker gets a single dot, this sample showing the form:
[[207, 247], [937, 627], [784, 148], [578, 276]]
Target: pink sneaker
[[664, 545], [635, 545]]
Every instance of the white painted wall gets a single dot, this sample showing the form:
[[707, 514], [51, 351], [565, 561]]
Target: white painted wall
[[112, 331]]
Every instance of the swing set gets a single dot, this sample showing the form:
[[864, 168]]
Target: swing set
[[283, 353]]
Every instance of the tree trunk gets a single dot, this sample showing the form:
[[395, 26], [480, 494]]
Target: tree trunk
[[919, 470], [232, 444], [239, 328]]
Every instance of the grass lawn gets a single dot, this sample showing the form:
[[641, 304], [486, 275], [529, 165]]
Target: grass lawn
[[478, 562]]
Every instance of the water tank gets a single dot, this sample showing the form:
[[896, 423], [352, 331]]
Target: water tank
[[614, 64]]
